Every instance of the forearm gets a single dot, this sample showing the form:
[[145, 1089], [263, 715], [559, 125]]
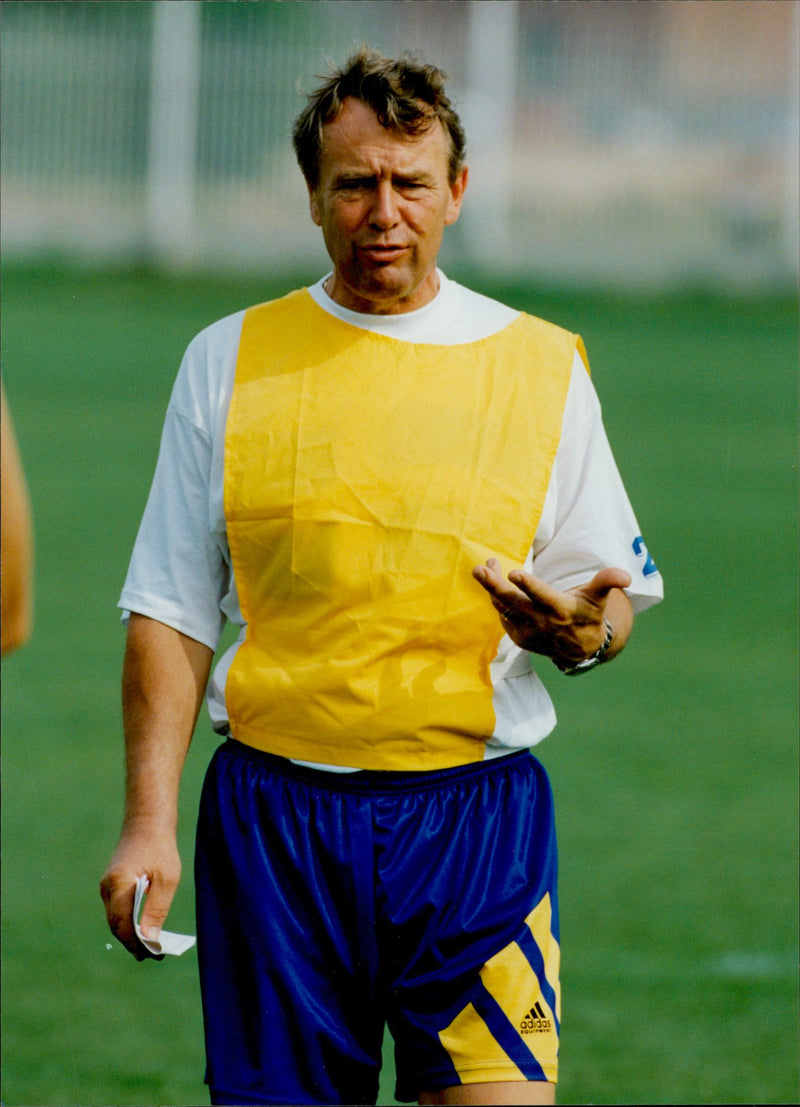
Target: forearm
[[164, 679]]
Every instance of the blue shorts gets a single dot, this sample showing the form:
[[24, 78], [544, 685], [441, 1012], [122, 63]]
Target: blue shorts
[[329, 905]]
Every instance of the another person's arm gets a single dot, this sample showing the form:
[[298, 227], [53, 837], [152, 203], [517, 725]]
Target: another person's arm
[[164, 678], [16, 573]]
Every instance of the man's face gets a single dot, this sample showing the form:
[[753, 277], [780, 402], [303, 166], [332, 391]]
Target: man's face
[[383, 201]]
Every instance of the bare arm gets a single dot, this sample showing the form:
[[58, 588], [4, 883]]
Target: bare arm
[[568, 626], [17, 542], [164, 679]]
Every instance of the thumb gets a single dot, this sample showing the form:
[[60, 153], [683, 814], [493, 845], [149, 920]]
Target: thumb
[[156, 908], [596, 591]]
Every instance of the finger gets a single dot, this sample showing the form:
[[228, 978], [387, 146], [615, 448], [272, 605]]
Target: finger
[[505, 597], [545, 599], [156, 906], [521, 596], [119, 914], [488, 574], [490, 577], [597, 589]]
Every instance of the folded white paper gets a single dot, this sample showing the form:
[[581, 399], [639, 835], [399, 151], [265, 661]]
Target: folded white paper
[[166, 942]]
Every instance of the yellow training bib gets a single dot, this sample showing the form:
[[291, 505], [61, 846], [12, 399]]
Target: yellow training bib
[[364, 478]]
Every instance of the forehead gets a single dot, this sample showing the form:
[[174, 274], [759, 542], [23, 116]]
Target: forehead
[[355, 137]]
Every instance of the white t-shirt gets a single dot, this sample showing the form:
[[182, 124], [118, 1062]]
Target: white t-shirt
[[180, 572]]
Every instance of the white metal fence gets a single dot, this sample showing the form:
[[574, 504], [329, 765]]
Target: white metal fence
[[614, 142]]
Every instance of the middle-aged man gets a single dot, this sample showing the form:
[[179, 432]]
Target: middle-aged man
[[400, 490]]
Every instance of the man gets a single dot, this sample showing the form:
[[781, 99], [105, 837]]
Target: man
[[348, 474]]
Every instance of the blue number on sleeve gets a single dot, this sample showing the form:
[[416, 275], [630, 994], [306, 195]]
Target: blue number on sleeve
[[641, 550]]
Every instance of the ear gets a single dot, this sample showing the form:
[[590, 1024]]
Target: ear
[[457, 190], [313, 204]]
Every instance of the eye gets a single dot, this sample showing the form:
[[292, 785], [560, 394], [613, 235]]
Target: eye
[[353, 184]]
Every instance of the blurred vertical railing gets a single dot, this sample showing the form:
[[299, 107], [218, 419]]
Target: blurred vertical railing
[[791, 218], [173, 128], [613, 143], [493, 33]]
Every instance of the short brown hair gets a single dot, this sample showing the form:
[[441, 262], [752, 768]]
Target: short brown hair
[[406, 95]]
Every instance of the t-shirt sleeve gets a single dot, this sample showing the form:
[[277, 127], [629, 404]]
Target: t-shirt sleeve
[[179, 570], [587, 522]]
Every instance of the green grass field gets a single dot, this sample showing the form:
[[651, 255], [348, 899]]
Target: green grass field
[[675, 770]]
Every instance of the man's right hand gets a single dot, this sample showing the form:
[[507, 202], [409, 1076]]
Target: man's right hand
[[143, 850]]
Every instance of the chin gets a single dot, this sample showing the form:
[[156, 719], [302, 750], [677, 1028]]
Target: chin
[[382, 290]]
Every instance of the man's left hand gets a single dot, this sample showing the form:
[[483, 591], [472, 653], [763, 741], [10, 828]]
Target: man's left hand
[[569, 626]]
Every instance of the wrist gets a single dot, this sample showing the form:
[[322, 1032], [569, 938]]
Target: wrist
[[150, 821], [572, 668]]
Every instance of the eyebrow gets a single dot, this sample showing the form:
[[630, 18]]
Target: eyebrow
[[349, 176]]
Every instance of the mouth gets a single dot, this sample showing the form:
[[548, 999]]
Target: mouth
[[381, 253]]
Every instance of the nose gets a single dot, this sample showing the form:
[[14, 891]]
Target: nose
[[384, 214]]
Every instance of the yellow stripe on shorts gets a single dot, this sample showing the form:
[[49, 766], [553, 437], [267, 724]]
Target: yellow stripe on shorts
[[540, 924], [468, 1038], [512, 982]]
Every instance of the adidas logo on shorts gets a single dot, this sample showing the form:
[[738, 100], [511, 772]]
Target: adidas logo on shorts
[[536, 1022]]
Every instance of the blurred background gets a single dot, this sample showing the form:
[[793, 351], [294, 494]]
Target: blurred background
[[609, 141], [633, 177]]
